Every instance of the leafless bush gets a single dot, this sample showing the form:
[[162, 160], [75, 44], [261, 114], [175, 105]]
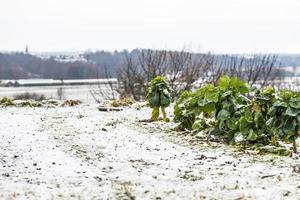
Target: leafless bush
[[132, 79], [185, 70], [259, 70], [139, 69], [181, 68], [29, 96], [106, 89]]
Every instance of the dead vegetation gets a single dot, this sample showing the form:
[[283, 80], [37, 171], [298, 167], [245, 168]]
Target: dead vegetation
[[125, 101], [6, 102], [71, 102], [123, 191], [29, 96]]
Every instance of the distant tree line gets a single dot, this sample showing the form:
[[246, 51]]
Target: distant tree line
[[101, 64], [22, 66]]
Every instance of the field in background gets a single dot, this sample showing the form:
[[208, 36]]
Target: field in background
[[82, 91], [79, 92], [79, 89]]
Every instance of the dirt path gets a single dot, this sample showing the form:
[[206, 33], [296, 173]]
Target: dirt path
[[82, 153]]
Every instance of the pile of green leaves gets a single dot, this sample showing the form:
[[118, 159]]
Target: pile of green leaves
[[231, 112], [159, 96]]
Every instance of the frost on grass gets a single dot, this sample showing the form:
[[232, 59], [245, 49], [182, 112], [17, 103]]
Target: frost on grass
[[54, 154]]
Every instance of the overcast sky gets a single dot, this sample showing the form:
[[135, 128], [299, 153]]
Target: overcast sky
[[231, 26]]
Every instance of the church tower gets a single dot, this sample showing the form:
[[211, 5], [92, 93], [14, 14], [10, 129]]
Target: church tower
[[26, 49]]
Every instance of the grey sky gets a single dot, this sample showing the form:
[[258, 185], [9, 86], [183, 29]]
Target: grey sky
[[236, 26]]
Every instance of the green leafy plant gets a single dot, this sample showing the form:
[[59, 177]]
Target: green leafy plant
[[159, 96], [285, 117], [231, 112], [248, 125], [230, 106], [190, 105]]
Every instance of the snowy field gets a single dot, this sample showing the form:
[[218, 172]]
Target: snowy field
[[82, 153], [79, 92]]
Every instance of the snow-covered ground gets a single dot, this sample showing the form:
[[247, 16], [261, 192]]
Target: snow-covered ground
[[82, 153], [79, 92]]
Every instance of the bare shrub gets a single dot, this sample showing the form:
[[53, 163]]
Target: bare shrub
[[106, 89], [131, 78], [181, 69], [29, 96], [185, 70], [259, 70]]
